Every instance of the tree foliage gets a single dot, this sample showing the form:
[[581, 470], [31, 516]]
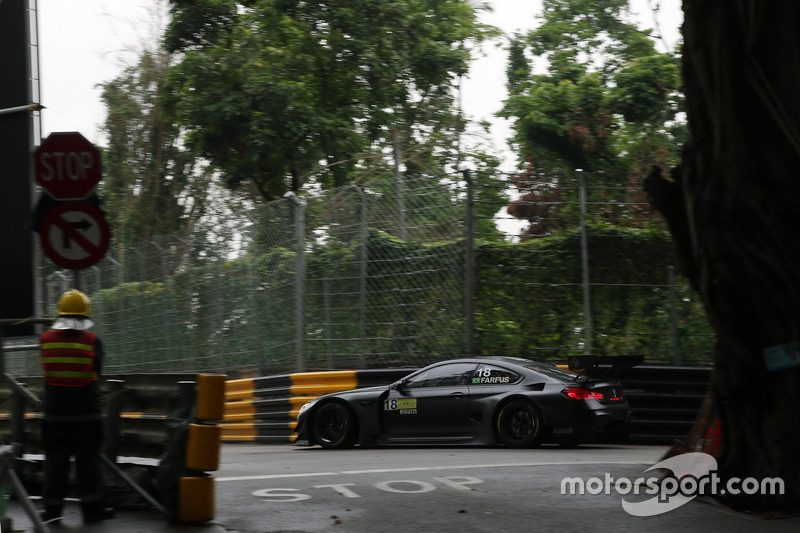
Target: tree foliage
[[154, 186], [605, 100], [276, 90], [148, 176]]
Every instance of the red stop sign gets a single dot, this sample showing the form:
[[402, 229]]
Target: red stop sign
[[67, 166]]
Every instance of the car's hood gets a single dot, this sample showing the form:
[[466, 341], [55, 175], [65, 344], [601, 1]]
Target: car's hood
[[364, 391]]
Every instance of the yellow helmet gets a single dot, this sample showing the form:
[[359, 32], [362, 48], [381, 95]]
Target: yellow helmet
[[74, 302]]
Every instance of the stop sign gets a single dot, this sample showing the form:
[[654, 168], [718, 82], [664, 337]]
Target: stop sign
[[67, 166]]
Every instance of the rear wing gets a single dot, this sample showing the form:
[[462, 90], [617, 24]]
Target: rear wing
[[601, 366]]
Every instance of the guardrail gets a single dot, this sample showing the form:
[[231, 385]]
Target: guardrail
[[665, 401], [265, 409], [145, 400]]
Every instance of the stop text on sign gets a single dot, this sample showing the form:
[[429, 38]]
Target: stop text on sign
[[67, 166], [58, 166]]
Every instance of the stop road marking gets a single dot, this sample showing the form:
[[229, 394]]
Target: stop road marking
[[399, 486]]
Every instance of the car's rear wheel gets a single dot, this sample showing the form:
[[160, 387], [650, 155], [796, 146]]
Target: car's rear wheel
[[518, 424], [334, 426]]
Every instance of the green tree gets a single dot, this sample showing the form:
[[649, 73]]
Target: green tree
[[274, 91], [606, 102], [732, 210], [607, 98], [152, 185]]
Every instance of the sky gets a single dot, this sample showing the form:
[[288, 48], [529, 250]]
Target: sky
[[83, 43]]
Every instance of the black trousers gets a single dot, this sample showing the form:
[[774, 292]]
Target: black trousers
[[81, 440]]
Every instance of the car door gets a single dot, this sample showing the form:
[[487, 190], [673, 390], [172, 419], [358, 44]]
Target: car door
[[431, 403]]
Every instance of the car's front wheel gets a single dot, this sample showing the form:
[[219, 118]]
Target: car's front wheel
[[518, 424], [334, 426]]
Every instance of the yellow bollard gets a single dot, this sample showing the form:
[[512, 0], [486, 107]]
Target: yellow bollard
[[196, 499], [210, 396], [202, 446]]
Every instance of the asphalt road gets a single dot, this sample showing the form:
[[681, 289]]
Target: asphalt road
[[288, 489], [283, 488]]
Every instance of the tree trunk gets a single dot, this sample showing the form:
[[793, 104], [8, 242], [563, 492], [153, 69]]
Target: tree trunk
[[734, 211]]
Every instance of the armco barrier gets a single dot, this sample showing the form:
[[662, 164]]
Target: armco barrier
[[265, 409], [147, 399], [665, 401]]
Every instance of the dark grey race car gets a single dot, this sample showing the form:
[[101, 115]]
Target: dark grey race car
[[484, 401]]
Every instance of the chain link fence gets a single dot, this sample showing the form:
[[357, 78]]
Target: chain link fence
[[401, 274]]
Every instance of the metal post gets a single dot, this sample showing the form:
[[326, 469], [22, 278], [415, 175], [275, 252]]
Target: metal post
[[21, 108], [300, 278], [587, 302], [18, 417], [398, 184], [166, 299], [362, 283], [218, 346], [673, 313], [186, 394], [469, 269], [326, 304], [8, 455], [113, 411], [121, 348]]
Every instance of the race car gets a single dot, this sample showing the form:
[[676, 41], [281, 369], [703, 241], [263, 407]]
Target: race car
[[483, 401]]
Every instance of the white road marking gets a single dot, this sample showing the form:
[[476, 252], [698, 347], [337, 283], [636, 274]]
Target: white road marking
[[426, 469]]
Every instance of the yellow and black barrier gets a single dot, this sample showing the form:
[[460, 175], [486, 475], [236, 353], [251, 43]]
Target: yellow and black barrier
[[265, 409], [203, 441]]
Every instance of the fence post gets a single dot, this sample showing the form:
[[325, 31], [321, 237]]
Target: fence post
[[469, 268], [298, 215], [166, 302], [362, 279], [587, 301], [218, 341], [398, 184], [120, 345], [673, 314], [326, 310]]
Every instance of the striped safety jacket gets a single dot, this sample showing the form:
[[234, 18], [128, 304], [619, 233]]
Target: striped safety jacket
[[68, 357]]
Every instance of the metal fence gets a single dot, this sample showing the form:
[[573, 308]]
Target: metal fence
[[400, 273]]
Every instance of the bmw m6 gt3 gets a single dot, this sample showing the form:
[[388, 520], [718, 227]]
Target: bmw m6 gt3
[[483, 401]]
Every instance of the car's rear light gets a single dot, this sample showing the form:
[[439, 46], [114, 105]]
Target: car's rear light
[[581, 393]]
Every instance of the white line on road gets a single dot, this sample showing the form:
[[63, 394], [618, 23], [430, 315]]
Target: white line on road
[[427, 468]]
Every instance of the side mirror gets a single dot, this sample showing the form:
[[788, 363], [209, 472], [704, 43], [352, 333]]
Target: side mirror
[[398, 385]]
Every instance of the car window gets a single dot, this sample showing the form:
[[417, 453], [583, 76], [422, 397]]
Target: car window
[[552, 371], [449, 375], [493, 375]]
